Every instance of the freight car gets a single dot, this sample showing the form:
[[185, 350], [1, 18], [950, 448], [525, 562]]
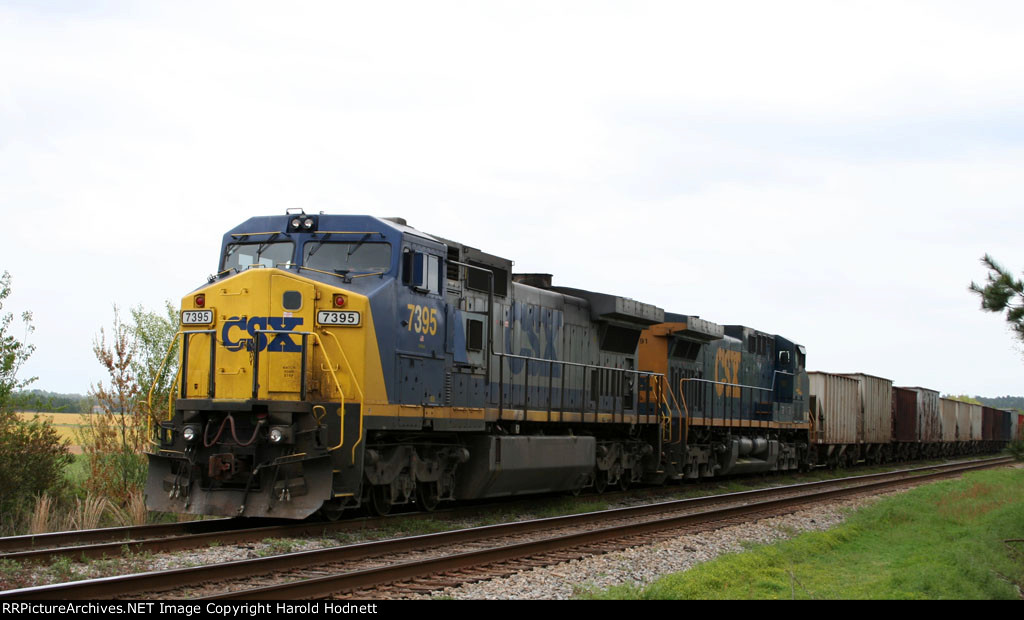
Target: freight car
[[335, 362]]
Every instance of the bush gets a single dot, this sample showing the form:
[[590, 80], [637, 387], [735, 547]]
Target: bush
[[115, 439], [32, 461], [1016, 449], [32, 455]]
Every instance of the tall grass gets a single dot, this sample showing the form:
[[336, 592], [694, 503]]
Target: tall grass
[[133, 512], [88, 513], [39, 522], [51, 515]]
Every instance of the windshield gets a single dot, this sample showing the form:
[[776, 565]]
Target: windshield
[[347, 256], [244, 255]]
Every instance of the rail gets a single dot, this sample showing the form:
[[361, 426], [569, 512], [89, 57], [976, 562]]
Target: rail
[[619, 396], [359, 389], [620, 390], [159, 373], [181, 383], [728, 398], [302, 379]]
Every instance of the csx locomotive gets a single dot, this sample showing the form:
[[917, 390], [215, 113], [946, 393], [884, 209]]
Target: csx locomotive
[[339, 361]]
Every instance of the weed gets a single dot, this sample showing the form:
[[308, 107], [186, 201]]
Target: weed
[[277, 546], [63, 570]]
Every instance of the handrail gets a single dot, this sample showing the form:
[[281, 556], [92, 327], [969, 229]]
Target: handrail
[[666, 416], [668, 388], [359, 389], [149, 396], [740, 385], [341, 412], [737, 385], [563, 363], [686, 410], [337, 384]]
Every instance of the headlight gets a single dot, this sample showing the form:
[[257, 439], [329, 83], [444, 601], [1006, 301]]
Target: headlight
[[276, 435], [189, 433]]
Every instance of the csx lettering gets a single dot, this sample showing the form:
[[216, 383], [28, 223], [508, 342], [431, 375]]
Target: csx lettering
[[422, 320], [727, 370], [280, 342]]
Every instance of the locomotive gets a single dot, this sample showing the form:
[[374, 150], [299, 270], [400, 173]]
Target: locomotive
[[341, 361]]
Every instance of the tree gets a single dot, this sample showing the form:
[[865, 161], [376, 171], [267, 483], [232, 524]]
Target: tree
[[13, 352], [32, 455], [114, 439], [133, 356], [155, 336], [1002, 292]]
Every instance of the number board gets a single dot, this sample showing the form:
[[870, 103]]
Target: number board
[[341, 318], [196, 317]]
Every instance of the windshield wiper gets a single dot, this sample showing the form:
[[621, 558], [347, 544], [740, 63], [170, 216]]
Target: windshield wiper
[[263, 246], [317, 246], [362, 240]]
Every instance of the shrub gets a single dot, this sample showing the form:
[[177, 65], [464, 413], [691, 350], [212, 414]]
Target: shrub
[[1016, 449]]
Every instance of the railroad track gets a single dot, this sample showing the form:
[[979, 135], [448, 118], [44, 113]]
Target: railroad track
[[430, 562], [161, 538]]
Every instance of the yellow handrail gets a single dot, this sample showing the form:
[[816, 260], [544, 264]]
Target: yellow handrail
[[149, 396], [686, 410], [668, 388], [666, 415], [359, 389], [334, 376]]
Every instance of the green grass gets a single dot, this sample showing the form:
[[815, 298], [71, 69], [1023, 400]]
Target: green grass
[[278, 546], [949, 540]]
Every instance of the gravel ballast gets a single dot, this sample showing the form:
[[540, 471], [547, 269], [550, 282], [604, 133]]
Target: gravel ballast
[[642, 565]]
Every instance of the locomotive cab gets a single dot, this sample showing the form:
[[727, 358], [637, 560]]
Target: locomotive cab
[[279, 357]]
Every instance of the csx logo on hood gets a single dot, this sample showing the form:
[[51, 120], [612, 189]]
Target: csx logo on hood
[[267, 342]]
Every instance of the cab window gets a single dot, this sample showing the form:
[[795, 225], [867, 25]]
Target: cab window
[[422, 272], [244, 255], [347, 256]]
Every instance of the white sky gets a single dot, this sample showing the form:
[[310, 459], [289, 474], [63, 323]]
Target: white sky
[[829, 171]]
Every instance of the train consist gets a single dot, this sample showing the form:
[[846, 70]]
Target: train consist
[[343, 361]]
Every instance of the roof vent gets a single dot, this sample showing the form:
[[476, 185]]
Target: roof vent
[[397, 220], [538, 280]]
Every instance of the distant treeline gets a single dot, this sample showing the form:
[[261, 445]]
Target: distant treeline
[[42, 401], [1002, 402]]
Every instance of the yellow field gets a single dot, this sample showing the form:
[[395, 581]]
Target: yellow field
[[64, 423], [73, 419]]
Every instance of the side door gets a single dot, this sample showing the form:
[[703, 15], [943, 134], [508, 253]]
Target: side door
[[422, 330]]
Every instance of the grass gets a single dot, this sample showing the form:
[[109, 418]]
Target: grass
[[278, 546], [949, 540]]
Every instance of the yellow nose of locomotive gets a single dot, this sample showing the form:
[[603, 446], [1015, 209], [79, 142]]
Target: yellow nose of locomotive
[[277, 336], [275, 370]]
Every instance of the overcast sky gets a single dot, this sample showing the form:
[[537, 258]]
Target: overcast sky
[[828, 171]]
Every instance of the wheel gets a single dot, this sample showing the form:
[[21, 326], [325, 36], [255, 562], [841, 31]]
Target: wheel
[[600, 481], [380, 499], [331, 511], [626, 479], [427, 495]]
